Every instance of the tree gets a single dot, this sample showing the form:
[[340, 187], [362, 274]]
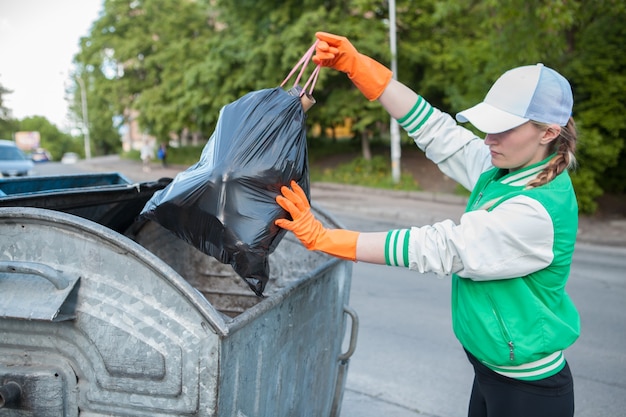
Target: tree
[[178, 62], [52, 139], [4, 112], [278, 36], [7, 124], [597, 68], [104, 132], [458, 49], [137, 57]]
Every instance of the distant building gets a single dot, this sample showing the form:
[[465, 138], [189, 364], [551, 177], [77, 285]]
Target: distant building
[[132, 136], [28, 141]]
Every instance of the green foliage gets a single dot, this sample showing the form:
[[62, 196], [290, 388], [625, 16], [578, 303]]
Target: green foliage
[[187, 155], [462, 191], [183, 156], [326, 156], [373, 173], [133, 155], [586, 190], [459, 61], [177, 62], [8, 127], [52, 139], [597, 69], [4, 111], [136, 58], [322, 148], [7, 124]]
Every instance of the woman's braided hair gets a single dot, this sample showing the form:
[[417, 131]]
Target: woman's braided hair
[[565, 148]]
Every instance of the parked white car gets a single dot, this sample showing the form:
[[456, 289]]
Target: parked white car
[[14, 162], [70, 158]]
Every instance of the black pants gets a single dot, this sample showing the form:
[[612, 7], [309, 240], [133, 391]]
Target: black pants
[[494, 395]]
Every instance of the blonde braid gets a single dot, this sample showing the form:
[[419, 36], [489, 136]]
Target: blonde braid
[[565, 147]]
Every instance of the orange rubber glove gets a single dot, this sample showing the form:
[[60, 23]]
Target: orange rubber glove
[[368, 75], [313, 235]]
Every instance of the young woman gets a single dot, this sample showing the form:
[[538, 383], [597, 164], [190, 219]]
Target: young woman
[[510, 253]]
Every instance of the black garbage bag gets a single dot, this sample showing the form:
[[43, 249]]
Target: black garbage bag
[[225, 205]]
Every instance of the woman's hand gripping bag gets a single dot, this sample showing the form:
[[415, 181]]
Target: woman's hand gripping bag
[[225, 205]]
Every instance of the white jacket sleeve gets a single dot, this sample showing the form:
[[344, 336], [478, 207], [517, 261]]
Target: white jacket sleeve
[[459, 153], [512, 240]]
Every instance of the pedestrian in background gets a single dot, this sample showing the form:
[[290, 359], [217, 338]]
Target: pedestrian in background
[[146, 155], [510, 254], [162, 154]]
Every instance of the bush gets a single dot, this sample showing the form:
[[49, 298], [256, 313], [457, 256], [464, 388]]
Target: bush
[[373, 173], [187, 155]]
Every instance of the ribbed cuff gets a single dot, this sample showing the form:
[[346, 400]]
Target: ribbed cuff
[[416, 117], [397, 247]]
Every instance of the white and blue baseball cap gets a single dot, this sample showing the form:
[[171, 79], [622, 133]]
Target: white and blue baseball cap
[[533, 92]]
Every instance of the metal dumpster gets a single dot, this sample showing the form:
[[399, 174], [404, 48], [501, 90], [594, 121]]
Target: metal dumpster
[[135, 322], [109, 199]]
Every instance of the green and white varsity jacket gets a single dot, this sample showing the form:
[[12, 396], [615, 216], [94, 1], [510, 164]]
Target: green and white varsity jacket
[[509, 255]]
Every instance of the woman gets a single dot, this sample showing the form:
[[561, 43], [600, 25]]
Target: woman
[[510, 254]]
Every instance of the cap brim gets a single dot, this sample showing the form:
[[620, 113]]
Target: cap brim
[[489, 119]]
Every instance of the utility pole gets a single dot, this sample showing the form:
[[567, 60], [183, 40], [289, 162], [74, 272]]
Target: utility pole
[[394, 129], [83, 99]]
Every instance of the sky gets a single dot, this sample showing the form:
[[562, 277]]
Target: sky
[[38, 40]]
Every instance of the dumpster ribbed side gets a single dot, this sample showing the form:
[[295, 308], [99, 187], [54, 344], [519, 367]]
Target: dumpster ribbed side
[[281, 354], [166, 333], [285, 362], [137, 344]]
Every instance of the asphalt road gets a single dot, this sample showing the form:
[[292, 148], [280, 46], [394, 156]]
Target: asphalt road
[[407, 362]]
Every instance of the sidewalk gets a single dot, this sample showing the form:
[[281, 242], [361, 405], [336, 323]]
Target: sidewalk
[[412, 208], [419, 208]]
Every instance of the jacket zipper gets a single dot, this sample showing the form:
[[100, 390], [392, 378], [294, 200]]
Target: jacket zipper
[[480, 196], [503, 328]]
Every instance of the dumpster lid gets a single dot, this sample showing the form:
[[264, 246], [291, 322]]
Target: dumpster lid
[[35, 291]]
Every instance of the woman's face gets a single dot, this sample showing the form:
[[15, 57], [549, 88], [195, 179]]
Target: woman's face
[[521, 146]]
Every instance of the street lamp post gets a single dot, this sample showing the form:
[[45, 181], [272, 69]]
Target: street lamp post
[[394, 129], [83, 99]]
